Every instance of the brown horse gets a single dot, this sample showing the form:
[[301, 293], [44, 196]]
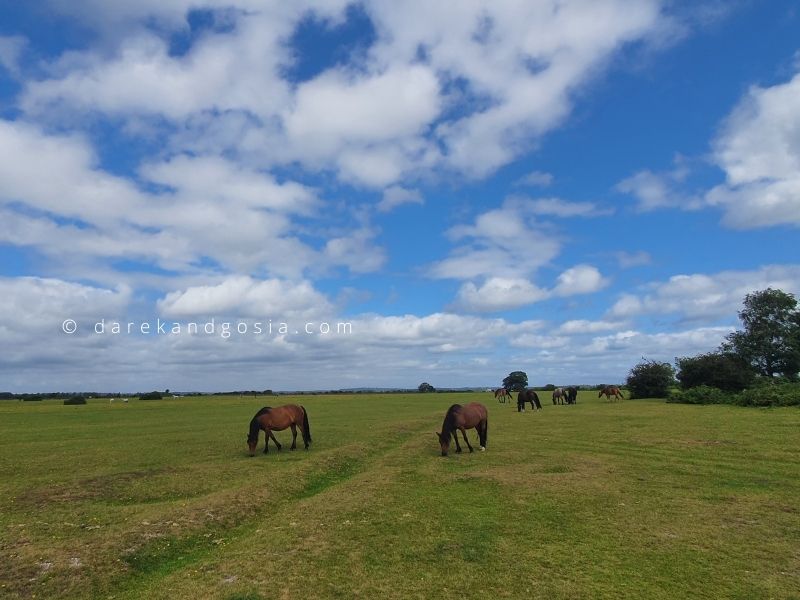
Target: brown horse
[[469, 416], [502, 394], [277, 419], [611, 391]]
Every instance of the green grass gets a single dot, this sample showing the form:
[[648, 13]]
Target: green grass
[[633, 499]]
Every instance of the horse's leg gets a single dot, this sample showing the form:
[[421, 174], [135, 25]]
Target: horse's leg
[[455, 437], [274, 439], [266, 441], [294, 436], [466, 440], [482, 428]]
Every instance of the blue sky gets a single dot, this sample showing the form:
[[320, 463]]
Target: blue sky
[[555, 187]]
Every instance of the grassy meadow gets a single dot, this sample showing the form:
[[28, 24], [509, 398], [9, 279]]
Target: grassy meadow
[[633, 499]]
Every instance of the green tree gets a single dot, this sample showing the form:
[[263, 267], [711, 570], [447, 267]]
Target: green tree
[[425, 388], [721, 370], [770, 341], [651, 379], [516, 381]]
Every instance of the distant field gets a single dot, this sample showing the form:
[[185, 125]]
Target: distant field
[[635, 499]]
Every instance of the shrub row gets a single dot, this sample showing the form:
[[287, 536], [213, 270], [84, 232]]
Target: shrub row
[[782, 394]]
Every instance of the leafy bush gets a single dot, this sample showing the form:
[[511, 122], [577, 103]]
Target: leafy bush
[[721, 370], [651, 379], [75, 400], [701, 394], [151, 396], [783, 394], [779, 394]]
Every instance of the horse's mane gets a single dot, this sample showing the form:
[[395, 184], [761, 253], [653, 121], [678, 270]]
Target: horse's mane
[[255, 427], [449, 419]]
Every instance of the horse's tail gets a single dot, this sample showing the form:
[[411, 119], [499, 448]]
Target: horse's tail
[[306, 427]]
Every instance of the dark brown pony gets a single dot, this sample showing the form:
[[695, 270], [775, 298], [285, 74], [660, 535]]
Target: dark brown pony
[[503, 394], [528, 396], [611, 391], [572, 394], [469, 416], [277, 419]]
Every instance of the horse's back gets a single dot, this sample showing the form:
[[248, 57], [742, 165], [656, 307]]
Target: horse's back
[[281, 417], [474, 412]]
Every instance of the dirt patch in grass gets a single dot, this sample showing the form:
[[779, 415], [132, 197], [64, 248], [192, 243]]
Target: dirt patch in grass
[[114, 486]]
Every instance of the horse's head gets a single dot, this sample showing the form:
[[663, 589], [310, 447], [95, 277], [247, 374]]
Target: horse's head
[[444, 442], [251, 444]]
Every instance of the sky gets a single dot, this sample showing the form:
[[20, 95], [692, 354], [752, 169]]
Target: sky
[[346, 194]]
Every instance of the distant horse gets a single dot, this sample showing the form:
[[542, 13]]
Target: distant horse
[[611, 391], [277, 419], [502, 394], [572, 394], [528, 396], [559, 396], [469, 416]]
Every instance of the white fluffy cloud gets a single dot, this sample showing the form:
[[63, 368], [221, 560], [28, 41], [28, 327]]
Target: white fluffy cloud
[[759, 150], [705, 297], [206, 208], [536, 178], [246, 297], [503, 242], [498, 293], [580, 279], [627, 260], [660, 346], [11, 47], [583, 326], [661, 190], [504, 247], [395, 196], [466, 89]]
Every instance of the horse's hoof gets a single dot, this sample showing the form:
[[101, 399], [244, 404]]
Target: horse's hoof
[[483, 449], [292, 448]]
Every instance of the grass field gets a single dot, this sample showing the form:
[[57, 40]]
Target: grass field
[[635, 499]]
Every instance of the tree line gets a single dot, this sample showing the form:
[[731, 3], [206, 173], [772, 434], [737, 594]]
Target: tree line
[[758, 364]]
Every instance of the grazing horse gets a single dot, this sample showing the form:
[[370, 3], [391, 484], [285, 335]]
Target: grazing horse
[[502, 394], [559, 396], [611, 391], [572, 394], [469, 416], [277, 419], [528, 396]]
